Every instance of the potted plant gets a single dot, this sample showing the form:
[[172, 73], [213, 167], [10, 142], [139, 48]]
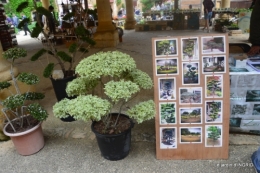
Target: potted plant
[[65, 60], [108, 82], [23, 113]]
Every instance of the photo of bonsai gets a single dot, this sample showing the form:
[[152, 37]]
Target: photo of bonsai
[[214, 64], [213, 136], [191, 95], [168, 138], [190, 73], [256, 109], [167, 113], [167, 89], [190, 135], [214, 86], [190, 115], [213, 111], [253, 96], [166, 47], [167, 66], [213, 44], [190, 49], [239, 109]]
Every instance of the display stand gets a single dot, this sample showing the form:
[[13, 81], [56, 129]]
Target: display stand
[[192, 96]]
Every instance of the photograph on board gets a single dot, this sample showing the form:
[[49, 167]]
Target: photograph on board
[[213, 137], [166, 47], [168, 66], [190, 115], [213, 64], [213, 45], [190, 49], [167, 113], [214, 86], [167, 88], [213, 111], [190, 95], [168, 138], [190, 72], [191, 135]]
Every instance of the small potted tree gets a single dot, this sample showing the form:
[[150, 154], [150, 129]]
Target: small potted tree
[[57, 59], [23, 113], [107, 84]]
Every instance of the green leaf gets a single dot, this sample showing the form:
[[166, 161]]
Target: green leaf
[[13, 101], [64, 56], [48, 70], [37, 112], [33, 96], [4, 85], [38, 54], [36, 31], [73, 48], [22, 6], [28, 78], [68, 16], [23, 22]]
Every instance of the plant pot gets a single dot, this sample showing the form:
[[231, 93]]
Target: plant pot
[[59, 86], [28, 142], [114, 147]]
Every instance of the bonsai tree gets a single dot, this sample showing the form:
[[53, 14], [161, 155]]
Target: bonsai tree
[[107, 82], [214, 133], [189, 48], [76, 50], [213, 110], [191, 73], [213, 84], [20, 105]]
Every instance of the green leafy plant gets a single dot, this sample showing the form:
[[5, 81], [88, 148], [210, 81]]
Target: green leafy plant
[[65, 59], [19, 104], [107, 82]]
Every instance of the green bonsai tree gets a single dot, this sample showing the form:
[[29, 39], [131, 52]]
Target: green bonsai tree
[[78, 49], [213, 110], [189, 48], [18, 104], [107, 82], [214, 133]]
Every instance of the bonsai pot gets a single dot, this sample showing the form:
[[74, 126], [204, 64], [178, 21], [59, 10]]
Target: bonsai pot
[[28, 142], [114, 147], [59, 86]]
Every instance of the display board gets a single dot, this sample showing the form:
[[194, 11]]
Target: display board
[[192, 96]]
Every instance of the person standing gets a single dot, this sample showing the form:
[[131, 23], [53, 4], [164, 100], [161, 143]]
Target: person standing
[[15, 21], [51, 20], [254, 34], [208, 6], [25, 26]]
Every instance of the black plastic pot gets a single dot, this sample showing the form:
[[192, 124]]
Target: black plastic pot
[[114, 147], [59, 86]]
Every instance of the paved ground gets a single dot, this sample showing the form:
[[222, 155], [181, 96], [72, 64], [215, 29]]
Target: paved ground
[[72, 148]]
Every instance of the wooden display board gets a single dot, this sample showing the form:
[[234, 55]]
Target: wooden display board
[[191, 87]]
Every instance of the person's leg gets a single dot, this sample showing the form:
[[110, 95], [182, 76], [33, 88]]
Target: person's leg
[[209, 17], [206, 20], [25, 31]]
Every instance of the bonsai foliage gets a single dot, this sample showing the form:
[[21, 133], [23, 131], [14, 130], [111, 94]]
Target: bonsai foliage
[[213, 85], [191, 73], [168, 113], [213, 110], [76, 50], [214, 133], [20, 104], [106, 82], [189, 48]]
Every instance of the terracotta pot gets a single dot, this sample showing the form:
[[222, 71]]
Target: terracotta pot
[[28, 142]]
